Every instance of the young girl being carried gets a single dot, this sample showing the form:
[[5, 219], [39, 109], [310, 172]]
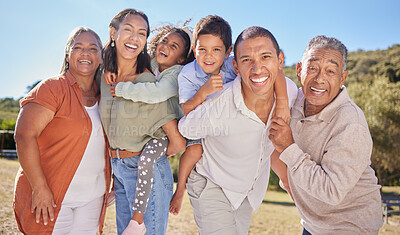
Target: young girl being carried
[[170, 49]]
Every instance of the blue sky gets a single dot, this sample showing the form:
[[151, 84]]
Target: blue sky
[[34, 33]]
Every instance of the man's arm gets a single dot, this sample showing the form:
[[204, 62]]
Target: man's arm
[[346, 156], [282, 104]]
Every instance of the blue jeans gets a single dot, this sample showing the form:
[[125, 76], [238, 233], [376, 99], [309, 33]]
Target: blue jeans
[[305, 232], [125, 172]]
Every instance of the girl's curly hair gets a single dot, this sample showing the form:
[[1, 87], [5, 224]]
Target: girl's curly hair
[[162, 31]]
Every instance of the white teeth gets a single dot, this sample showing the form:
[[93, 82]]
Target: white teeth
[[131, 46], [85, 61], [257, 80], [208, 63], [315, 89], [163, 53]]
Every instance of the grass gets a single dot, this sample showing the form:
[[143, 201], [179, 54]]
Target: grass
[[277, 214]]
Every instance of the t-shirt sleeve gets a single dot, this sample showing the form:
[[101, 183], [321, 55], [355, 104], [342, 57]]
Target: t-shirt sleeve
[[187, 89], [46, 94]]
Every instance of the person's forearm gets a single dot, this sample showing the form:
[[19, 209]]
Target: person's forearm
[[147, 92], [343, 155], [192, 103], [281, 90], [29, 158], [279, 167]]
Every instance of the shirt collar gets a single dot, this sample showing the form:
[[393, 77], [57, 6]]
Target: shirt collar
[[201, 74], [239, 101], [70, 78], [327, 113]]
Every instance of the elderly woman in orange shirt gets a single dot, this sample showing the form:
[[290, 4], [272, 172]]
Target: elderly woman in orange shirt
[[62, 184]]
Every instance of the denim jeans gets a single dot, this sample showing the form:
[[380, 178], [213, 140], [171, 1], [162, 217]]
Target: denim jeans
[[125, 172], [305, 232]]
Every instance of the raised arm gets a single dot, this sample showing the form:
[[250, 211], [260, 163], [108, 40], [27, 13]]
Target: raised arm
[[32, 120], [197, 124], [150, 92], [282, 102], [213, 84], [346, 156]]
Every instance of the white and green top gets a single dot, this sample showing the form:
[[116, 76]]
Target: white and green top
[[129, 125], [165, 87]]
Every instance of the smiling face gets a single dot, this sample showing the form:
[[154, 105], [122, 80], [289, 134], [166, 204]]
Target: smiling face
[[210, 53], [258, 64], [169, 51], [321, 78], [130, 38], [84, 55]]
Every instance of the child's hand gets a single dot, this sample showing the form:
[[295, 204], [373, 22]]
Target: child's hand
[[112, 88], [109, 77], [213, 84], [283, 112]]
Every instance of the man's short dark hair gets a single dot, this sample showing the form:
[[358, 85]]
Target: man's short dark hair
[[214, 25], [254, 32]]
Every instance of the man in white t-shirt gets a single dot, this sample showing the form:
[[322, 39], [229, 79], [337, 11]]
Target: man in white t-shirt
[[232, 176]]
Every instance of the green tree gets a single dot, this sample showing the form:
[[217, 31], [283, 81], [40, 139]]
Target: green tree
[[380, 101]]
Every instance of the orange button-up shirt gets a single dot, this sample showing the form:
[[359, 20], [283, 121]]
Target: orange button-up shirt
[[62, 144]]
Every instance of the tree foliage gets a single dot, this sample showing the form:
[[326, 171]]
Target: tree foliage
[[9, 105], [380, 101]]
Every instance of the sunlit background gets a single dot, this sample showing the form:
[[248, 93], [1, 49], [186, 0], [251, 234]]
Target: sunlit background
[[34, 33]]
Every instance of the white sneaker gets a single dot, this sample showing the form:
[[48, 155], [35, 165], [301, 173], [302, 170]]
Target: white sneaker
[[134, 228]]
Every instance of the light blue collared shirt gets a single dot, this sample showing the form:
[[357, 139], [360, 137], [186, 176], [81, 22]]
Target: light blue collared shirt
[[192, 77]]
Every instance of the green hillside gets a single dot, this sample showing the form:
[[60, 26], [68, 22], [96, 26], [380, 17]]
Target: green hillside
[[373, 83]]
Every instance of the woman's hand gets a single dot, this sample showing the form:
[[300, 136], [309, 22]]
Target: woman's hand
[[112, 88], [109, 77], [43, 204]]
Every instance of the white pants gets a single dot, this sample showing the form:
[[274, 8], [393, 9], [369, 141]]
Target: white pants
[[79, 218]]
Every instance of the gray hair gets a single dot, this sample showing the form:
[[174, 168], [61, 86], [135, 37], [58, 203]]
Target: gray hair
[[72, 36], [325, 42]]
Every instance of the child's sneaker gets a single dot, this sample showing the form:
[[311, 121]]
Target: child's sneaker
[[134, 228]]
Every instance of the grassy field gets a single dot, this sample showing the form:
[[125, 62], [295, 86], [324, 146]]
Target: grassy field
[[277, 214]]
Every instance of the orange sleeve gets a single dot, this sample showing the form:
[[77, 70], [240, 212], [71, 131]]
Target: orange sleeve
[[47, 93]]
